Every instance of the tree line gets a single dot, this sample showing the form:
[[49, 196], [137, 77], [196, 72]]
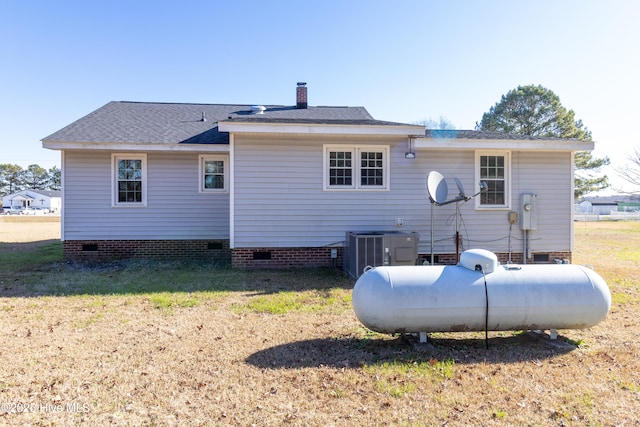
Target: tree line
[[14, 178]]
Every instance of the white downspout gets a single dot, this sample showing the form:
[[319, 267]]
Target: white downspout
[[231, 191], [62, 194]]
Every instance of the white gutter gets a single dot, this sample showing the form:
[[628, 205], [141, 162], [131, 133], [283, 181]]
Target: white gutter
[[326, 129], [123, 146], [502, 144]]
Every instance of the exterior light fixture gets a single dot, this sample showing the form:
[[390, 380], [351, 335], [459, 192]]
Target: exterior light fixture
[[410, 154]]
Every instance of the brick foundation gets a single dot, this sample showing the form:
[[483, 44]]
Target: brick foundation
[[107, 250], [285, 257], [250, 258]]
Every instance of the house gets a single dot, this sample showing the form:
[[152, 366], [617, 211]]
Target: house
[[278, 185], [606, 205], [43, 199]]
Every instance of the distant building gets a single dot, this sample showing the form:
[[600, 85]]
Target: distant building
[[604, 205], [47, 199]]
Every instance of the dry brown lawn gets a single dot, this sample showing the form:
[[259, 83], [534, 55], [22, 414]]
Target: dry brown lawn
[[121, 360], [27, 232]]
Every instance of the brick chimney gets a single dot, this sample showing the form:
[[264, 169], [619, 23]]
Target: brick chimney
[[301, 95]]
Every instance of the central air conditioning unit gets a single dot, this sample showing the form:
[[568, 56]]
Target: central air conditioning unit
[[376, 248]]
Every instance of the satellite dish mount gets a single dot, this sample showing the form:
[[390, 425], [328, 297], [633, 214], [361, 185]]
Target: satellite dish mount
[[438, 192]]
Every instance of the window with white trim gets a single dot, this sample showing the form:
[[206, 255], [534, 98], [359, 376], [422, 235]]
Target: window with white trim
[[356, 167], [213, 174], [494, 168], [129, 173]]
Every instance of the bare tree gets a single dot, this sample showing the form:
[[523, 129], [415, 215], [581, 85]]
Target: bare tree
[[442, 123], [631, 171]]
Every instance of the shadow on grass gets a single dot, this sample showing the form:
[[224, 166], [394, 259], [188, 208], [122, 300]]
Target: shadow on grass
[[39, 270], [26, 247], [354, 353]]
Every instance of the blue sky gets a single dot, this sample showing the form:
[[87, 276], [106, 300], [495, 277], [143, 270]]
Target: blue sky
[[403, 60]]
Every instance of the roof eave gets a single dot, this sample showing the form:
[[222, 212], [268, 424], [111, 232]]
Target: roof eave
[[505, 144], [123, 146], [328, 129]]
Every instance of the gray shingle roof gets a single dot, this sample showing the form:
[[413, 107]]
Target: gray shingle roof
[[173, 123], [48, 193]]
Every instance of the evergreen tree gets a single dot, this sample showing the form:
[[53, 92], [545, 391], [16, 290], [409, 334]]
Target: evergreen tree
[[537, 111], [11, 178], [54, 181], [36, 177]]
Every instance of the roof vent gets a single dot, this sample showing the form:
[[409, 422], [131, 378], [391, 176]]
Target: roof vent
[[258, 109]]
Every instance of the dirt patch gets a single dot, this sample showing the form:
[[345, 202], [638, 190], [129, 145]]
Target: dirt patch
[[26, 228], [25, 232]]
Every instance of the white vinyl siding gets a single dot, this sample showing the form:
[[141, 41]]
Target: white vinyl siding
[[175, 208], [280, 198], [281, 201]]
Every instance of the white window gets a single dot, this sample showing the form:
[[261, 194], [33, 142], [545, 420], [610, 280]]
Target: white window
[[356, 167], [129, 175], [494, 168], [214, 174]]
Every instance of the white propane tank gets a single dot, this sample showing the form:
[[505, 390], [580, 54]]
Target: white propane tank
[[414, 299]]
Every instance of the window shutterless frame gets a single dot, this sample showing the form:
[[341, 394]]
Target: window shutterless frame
[[355, 167], [213, 173], [129, 180], [494, 168]]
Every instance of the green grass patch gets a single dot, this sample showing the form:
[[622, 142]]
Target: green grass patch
[[499, 414], [31, 260], [395, 388], [96, 303], [117, 278], [430, 368], [283, 302], [169, 300], [578, 343], [629, 386], [83, 324], [397, 377], [621, 298], [337, 393]]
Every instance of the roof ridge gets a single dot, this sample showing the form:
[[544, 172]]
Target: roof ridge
[[226, 104], [196, 103]]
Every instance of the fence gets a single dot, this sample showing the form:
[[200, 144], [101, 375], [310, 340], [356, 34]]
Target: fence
[[614, 215]]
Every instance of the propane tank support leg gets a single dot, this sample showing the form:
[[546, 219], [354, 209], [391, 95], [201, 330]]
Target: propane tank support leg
[[423, 337], [553, 334]]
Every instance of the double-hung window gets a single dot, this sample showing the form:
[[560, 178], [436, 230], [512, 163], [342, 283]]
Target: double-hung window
[[356, 167], [494, 168], [129, 172], [213, 174]]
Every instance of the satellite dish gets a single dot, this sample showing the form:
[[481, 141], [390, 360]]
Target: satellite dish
[[460, 187], [438, 191], [437, 187]]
